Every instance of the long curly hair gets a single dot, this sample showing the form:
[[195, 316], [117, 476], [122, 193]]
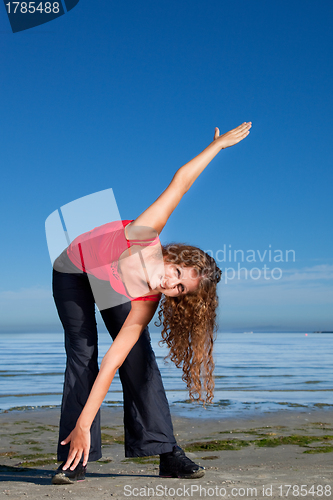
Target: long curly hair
[[189, 321]]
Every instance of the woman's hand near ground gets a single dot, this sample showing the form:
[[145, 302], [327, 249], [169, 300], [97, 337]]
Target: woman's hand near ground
[[234, 136], [80, 444]]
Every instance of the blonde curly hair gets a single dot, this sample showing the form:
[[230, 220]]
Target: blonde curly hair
[[189, 321]]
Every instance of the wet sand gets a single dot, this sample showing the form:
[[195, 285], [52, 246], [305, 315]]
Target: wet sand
[[254, 457]]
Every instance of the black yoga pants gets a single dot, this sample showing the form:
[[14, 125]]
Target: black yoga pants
[[147, 420]]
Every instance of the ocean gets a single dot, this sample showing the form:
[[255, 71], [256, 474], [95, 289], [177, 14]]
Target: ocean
[[255, 373]]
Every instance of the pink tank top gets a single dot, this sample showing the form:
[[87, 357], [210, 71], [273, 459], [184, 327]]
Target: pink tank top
[[97, 253]]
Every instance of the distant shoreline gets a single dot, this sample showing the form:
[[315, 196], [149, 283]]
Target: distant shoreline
[[181, 412]]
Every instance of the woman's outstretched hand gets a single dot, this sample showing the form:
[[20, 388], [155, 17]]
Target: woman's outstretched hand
[[233, 136], [80, 444]]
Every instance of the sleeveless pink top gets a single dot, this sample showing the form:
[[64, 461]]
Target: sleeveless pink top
[[97, 253]]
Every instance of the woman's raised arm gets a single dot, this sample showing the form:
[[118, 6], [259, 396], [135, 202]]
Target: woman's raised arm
[[158, 213]]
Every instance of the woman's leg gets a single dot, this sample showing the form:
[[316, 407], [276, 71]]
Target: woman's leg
[[76, 307], [147, 419]]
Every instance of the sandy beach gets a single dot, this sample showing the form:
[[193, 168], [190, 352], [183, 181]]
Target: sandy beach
[[255, 457]]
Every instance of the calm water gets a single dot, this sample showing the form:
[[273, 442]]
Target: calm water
[[254, 372]]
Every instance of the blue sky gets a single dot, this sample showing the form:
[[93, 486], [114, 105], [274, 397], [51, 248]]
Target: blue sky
[[120, 95]]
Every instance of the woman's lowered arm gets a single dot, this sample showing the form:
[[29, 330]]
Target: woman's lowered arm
[[138, 318]]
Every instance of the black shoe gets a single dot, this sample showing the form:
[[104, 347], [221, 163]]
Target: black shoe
[[177, 464], [69, 476]]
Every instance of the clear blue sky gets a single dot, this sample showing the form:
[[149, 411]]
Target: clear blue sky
[[120, 94]]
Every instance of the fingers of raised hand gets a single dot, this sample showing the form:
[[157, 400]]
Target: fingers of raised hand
[[242, 131], [243, 127], [217, 133], [236, 135]]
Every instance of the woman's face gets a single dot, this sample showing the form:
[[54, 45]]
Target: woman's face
[[178, 280]]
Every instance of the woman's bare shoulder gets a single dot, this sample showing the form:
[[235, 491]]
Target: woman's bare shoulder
[[139, 233]]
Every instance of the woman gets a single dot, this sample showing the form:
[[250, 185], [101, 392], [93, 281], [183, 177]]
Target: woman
[[140, 273]]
